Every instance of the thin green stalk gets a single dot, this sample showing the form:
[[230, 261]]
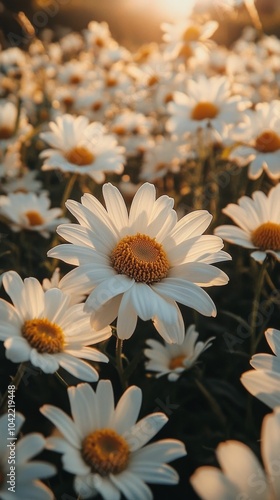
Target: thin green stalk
[[256, 305], [212, 402], [61, 379], [15, 381], [119, 363]]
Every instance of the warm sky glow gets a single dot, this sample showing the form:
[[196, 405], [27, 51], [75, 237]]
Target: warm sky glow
[[170, 9]]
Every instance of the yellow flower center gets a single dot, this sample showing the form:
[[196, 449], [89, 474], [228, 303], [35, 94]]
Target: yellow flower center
[[111, 81], [6, 132], [96, 106], [75, 79], [268, 142], [185, 51], [267, 236], [168, 98], [176, 362], [34, 218], [141, 258], [119, 130], [79, 156], [44, 336], [204, 110], [105, 452], [153, 79], [191, 34]]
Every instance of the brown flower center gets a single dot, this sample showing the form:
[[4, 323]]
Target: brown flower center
[[267, 142], [267, 236], [204, 110], [80, 156], [152, 80], [105, 452], [191, 34], [111, 81], [6, 132], [141, 258], [75, 79], [34, 218], [176, 362], [44, 336], [186, 51]]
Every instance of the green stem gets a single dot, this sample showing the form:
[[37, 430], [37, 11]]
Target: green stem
[[61, 379], [119, 363], [212, 402], [256, 305], [14, 381], [68, 190]]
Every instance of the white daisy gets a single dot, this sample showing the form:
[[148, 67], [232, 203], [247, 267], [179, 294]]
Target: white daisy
[[264, 381], [260, 135], [207, 100], [30, 212], [56, 282], [15, 455], [105, 448], [259, 223], [42, 327], [183, 37], [10, 130], [241, 474], [165, 156], [82, 148], [140, 264], [172, 360]]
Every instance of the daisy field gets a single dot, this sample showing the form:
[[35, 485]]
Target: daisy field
[[139, 250]]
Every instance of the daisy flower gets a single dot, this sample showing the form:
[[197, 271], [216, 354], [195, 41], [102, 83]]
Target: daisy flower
[[259, 223], [81, 148], [43, 328], [172, 360], [10, 132], [105, 448], [183, 37], [140, 264], [17, 453], [165, 156], [31, 212], [56, 282], [207, 100], [264, 381], [260, 135], [241, 474]]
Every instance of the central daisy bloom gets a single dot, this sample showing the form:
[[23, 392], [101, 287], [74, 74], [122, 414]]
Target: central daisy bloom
[[203, 110], [267, 236], [34, 218], [43, 335], [138, 264], [80, 156], [140, 257], [259, 223], [104, 446], [268, 142], [106, 452]]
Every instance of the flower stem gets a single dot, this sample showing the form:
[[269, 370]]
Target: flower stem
[[14, 382], [212, 402], [119, 362], [61, 379], [67, 191], [256, 305]]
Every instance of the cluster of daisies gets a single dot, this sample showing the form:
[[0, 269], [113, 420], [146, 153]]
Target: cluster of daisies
[[170, 124]]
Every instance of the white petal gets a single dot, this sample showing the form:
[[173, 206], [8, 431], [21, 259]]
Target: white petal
[[105, 403], [47, 362], [17, 349], [144, 430], [273, 339], [132, 487], [106, 313], [63, 423], [107, 290], [270, 445], [165, 450], [29, 446], [186, 293], [211, 484], [264, 385], [84, 408], [127, 317], [115, 205], [127, 409], [141, 207], [77, 367]]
